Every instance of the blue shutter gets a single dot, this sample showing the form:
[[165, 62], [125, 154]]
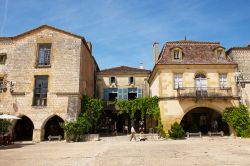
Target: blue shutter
[[125, 93], [139, 92], [106, 94], [119, 96]]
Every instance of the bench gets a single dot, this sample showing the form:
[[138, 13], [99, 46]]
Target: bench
[[216, 133], [50, 137], [193, 134]]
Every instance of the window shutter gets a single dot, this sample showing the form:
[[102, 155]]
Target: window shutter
[[106, 94], [125, 93], [139, 92], [120, 94]]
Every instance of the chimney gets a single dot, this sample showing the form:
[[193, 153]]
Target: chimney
[[248, 44], [89, 46], [155, 51], [141, 66]]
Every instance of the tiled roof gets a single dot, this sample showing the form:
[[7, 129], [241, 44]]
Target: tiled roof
[[124, 70], [193, 52]]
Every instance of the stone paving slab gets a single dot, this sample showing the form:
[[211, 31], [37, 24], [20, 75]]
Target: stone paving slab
[[119, 151]]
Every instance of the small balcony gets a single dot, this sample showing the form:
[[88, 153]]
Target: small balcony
[[207, 92]]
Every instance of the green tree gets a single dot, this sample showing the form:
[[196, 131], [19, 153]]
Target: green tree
[[238, 118], [176, 131]]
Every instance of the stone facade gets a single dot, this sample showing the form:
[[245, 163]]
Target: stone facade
[[241, 55], [70, 74], [176, 102]]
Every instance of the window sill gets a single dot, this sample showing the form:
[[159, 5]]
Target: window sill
[[39, 107], [43, 66]]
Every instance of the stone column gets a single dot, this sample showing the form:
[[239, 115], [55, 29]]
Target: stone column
[[38, 135]]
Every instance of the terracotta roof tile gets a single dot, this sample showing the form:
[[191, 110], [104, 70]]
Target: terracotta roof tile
[[124, 70], [193, 52]]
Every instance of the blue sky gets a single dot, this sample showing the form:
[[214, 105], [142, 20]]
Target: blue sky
[[123, 31]]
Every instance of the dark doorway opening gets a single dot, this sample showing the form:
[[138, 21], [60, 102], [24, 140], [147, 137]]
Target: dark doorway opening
[[53, 127], [203, 119], [112, 96], [132, 96], [23, 130]]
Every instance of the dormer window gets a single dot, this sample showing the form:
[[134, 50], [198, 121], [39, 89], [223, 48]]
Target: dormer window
[[3, 58], [176, 54], [220, 53]]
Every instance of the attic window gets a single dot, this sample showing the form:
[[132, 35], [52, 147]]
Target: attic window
[[131, 80], [3, 57], [220, 53], [176, 54]]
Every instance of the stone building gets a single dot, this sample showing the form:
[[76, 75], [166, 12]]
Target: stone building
[[43, 73], [195, 83], [121, 83], [241, 55]]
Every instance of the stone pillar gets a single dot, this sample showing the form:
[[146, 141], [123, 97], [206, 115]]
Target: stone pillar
[[38, 135]]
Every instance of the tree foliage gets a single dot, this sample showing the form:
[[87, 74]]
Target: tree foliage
[[4, 125], [238, 118], [176, 131], [90, 113], [147, 106]]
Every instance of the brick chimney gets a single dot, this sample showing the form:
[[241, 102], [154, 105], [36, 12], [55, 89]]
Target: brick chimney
[[90, 46], [156, 51]]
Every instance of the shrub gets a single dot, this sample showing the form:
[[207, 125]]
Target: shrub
[[176, 131], [238, 118]]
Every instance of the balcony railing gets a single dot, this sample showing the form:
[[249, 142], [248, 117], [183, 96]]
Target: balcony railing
[[217, 92]]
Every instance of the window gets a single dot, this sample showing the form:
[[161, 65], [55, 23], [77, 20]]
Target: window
[[223, 80], [131, 80], [44, 52], [177, 81], [1, 85], [112, 80], [41, 90], [220, 54], [3, 58], [176, 54]]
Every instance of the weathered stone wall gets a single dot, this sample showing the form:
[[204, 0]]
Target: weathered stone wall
[[64, 81], [242, 58]]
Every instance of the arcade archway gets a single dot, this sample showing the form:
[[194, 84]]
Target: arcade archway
[[203, 119], [53, 128], [23, 129]]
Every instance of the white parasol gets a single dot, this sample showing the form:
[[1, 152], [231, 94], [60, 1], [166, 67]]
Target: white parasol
[[6, 116]]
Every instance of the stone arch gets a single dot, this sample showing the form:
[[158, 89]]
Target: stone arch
[[51, 126], [203, 119], [23, 128]]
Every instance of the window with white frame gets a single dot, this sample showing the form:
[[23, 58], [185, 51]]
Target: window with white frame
[[178, 80], [223, 80], [44, 51]]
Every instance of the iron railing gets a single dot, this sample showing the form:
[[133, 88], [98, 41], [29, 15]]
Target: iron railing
[[215, 92]]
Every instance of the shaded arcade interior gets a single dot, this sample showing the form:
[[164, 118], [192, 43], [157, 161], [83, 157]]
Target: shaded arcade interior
[[111, 119], [23, 129], [203, 119], [53, 128]]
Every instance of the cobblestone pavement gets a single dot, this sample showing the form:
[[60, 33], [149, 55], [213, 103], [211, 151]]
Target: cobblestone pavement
[[118, 151]]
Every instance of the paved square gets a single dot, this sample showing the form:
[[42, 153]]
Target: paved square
[[118, 151]]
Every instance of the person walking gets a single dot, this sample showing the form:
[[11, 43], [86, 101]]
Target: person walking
[[132, 133]]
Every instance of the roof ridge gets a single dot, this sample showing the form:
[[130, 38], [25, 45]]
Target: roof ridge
[[192, 41]]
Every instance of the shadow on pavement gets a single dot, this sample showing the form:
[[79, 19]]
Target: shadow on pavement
[[15, 145]]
